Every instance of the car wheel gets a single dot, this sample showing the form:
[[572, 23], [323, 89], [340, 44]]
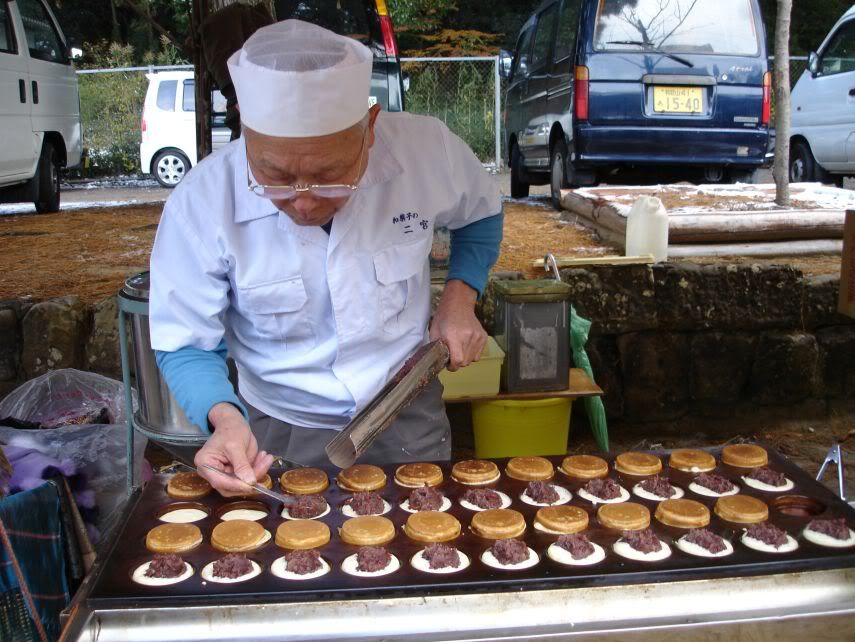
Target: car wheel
[[803, 166], [47, 180], [713, 174], [519, 186], [170, 166], [558, 172]]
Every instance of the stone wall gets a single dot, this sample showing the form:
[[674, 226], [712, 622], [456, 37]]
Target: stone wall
[[678, 340], [668, 341]]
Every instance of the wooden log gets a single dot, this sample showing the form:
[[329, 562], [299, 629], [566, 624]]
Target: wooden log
[[565, 261], [788, 248], [777, 226]]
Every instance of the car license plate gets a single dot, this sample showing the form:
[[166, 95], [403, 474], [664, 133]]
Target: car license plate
[[678, 100]]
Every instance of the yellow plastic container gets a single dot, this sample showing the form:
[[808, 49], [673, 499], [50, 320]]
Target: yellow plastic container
[[480, 378], [516, 428]]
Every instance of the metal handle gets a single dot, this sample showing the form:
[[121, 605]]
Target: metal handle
[[35, 87], [549, 263], [22, 90]]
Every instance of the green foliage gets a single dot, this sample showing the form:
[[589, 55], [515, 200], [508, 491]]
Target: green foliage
[[461, 95], [421, 15], [110, 108]]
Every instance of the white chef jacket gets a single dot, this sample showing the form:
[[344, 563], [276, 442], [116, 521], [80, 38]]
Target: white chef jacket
[[315, 322]]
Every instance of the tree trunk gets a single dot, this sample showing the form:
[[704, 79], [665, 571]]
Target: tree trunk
[[781, 82], [115, 21]]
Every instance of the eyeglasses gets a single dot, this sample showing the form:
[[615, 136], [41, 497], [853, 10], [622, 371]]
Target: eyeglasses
[[289, 192]]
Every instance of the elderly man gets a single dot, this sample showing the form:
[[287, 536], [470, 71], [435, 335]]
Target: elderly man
[[301, 249]]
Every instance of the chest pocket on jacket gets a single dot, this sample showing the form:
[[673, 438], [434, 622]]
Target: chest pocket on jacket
[[399, 271], [277, 312]]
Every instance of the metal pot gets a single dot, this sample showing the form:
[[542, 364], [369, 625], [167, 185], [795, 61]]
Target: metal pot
[[158, 414]]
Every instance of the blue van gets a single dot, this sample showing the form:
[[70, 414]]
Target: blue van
[[598, 85]]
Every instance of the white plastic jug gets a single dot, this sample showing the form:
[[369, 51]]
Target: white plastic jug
[[647, 229]]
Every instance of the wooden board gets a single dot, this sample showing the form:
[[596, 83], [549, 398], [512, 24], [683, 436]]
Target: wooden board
[[579, 385]]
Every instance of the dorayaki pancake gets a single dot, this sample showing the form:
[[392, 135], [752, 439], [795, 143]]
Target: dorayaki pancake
[[562, 519], [683, 513], [530, 468], [585, 466], [744, 456], [173, 538], [432, 526], [638, 464], [362, 477], [498, 523], [627, 516], [266, 482], [301, 534], [475, 471], [742, 509], [304, 481], [187, 486], [238, 536], [418, 475], [367, 530], [692, 461]]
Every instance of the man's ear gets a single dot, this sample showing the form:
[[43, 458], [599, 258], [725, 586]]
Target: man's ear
[[373, 112]]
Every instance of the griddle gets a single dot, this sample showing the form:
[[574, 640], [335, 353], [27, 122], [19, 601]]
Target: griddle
[[113, 588]]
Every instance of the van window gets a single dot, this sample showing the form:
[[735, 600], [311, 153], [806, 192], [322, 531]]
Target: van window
[[686, 26], [166, 94], [568, 22], [542, 46], [42, 37], [522, 57], [839, 56], [188, 101], [7, 38]]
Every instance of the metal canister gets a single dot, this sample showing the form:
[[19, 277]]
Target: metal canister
[[532, 327], [158, 413]]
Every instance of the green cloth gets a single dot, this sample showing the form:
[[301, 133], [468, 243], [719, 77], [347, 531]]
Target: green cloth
[[579, 328]]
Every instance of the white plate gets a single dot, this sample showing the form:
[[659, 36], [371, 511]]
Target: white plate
[[624, 496], [564, 496], [827, 540], [140, 578], [640, 492], [421, 564], [349, 566], [490, 560], [347, 511], [506, 501], [767, 487], [446, 504], [699, 551], [562, 556], [706, 492], [757, 545], [279, 569]]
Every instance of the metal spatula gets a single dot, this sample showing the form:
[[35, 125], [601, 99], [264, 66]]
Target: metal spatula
[[416, 373]]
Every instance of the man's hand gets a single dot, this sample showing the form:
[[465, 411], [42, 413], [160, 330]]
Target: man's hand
[[455, 323], [233, 449]]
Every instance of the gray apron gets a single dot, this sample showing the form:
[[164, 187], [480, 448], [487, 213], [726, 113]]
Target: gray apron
[[420, 433]]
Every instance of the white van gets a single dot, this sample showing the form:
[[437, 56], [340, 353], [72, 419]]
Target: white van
[[39, 105], [168, 142], [822, 136]]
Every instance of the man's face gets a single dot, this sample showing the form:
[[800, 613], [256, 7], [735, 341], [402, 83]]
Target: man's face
[[339, 158]]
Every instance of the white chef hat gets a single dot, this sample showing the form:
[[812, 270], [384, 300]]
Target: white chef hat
[[295, 79]]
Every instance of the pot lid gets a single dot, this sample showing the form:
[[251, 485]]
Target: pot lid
[[138, 286]]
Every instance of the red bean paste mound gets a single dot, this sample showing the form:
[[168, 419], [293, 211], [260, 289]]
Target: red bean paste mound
[[577, 545], [366, 503], [768, 534], [768, 476], [426, 498], [603, 488], [372, 558], [835, 528], [165, 566], [706, 539], [715, 483], [232, 566], [542, 493], [308, 506], [303, 562], [441, 556], [644, 541], [510, 551], [483, 498], [659, 486]]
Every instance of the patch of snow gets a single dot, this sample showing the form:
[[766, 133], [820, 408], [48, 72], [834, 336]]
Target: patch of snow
[[29, 208]]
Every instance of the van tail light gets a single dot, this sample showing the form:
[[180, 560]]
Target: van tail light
[[766, 113], [387, 29], [142, 122], [580, 100]]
